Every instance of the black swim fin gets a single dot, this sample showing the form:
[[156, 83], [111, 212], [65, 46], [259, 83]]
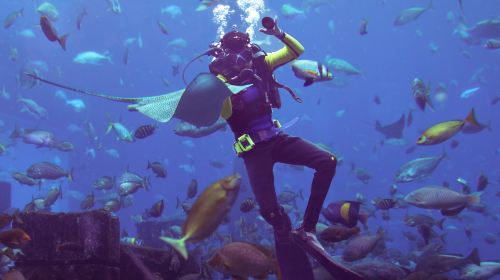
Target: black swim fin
[[337, 270]]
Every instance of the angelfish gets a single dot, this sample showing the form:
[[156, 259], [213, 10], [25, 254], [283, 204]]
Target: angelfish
[[208, 211], [311, 71]]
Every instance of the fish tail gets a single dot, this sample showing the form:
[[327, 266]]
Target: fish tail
[[474, 257], [62, 41], [444, 155], [146, 183], [178, 244], [110, 126], [471, 118], [70, 175], [440, 223], [16, 133], [474, 198]]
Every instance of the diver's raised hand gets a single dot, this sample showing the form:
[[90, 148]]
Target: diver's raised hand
[[275, 30]]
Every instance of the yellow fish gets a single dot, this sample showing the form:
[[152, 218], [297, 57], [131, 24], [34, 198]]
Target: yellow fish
[[207, 212], [440, 132]]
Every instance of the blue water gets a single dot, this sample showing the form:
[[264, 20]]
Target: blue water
[[389, 58]]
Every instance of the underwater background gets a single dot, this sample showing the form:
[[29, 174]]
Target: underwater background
[[341, 114]]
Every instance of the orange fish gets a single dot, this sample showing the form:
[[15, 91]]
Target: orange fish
[[51, 33], [14, 238]]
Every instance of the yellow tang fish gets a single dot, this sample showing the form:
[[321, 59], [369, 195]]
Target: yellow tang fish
[[208, 211], [440, 132]]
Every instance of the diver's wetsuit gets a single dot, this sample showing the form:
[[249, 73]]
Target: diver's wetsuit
[[248, 113]]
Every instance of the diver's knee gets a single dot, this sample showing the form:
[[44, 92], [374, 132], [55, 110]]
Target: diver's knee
[[328, 164]]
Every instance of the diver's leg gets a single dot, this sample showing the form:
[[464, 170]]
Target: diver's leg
[[297, 151], [292, 260]]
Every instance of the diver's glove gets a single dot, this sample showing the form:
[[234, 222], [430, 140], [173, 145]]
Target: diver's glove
[[276, 31]]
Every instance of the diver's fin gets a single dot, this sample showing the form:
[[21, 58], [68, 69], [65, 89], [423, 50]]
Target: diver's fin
[[337, 270], [293, 261], [308, 82]]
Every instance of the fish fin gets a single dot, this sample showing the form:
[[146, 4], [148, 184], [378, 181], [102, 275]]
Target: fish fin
[[308, 82], [474, 257], [16, 133], [146, 183], [444, 155], [452, 212], [110, 126], [430, 6], [474, 198], [70, 175], [62, 41], [440, 223], [471, 118], [178, 244]]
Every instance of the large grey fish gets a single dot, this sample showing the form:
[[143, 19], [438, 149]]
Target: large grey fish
[[361, 246], [48, 170], [411, 14], [441, 198], [130, 182], [418, 169], [443, 263], [483, 30]]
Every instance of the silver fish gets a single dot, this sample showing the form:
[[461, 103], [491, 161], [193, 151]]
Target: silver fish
[[418, 169], [130, 182]]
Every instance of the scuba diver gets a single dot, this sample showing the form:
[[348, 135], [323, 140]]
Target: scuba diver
[[261, 144], [242, 89]]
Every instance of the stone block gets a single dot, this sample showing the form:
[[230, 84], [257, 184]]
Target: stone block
[[58, 238]]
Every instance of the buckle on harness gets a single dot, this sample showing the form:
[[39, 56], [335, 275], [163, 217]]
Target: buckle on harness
[[243, 144]]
